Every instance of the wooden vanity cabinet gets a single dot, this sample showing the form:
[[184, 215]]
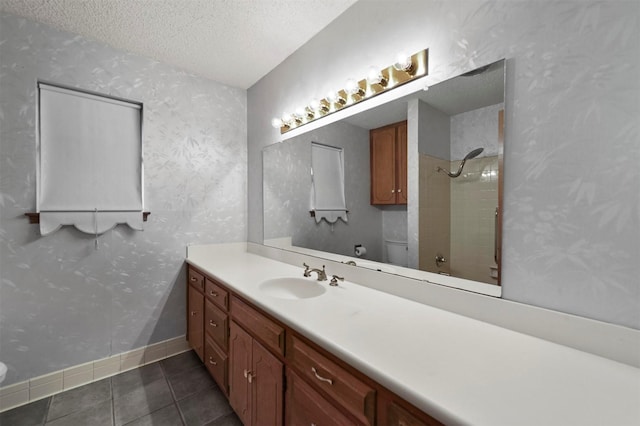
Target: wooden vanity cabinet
[[247, 352], [256, 380], [195, 311], [388, 156]]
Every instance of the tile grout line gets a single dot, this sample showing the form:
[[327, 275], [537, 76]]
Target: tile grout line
[[113, 403], [180, 343]]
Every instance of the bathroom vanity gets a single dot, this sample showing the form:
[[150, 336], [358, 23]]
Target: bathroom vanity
[[291, 350], [268, 361]]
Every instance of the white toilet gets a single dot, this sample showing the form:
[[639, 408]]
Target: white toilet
[[397, 252]]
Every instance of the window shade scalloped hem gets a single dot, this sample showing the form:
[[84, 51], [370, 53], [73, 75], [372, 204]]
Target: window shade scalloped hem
[[89, 222], [330, 216]]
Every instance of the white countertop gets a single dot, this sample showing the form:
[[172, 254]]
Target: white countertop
[[457, 369]]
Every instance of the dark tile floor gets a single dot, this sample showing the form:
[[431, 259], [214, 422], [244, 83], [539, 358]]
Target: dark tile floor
[[173, 392]]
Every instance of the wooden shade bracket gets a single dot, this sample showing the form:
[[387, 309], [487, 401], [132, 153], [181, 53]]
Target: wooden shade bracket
[[35, 217]]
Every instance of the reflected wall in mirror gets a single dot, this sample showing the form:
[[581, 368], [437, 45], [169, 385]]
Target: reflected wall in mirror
[[450, 224]]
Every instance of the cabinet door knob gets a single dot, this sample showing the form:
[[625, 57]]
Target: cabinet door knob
[[393, 191], [212, 362], [399, 190], [319, 377], [212, 324]]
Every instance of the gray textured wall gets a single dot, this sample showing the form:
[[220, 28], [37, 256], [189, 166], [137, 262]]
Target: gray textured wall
[[571, 217], [62, 302]]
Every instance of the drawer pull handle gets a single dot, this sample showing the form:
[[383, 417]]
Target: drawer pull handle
[[212, 362], [194, 313], [213, 294], [248, 375], [194, 279], [212, 324], [319, 377]]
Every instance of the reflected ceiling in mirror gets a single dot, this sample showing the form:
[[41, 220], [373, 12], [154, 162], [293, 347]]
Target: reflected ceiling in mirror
[[449, 230]]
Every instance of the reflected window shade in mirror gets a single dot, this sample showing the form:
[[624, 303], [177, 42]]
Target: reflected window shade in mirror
[[327, 183], [450, 218], [90, 161]]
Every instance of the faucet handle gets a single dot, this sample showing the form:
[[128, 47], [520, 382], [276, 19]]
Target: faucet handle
[[334, 280], [306, 272]]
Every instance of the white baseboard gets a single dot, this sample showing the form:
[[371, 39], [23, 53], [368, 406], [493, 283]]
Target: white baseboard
[[40, 387]]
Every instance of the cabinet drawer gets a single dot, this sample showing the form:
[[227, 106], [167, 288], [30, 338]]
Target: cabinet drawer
[[216, 362], [261, 327], [216, 323], [196, 279], [217, 294], [305, 406], [398, 416], [354, 395]]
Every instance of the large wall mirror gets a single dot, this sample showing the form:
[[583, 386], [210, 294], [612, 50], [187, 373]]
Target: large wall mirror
[[422, 184]]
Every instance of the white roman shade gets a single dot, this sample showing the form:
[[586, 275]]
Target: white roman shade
[[90, 161], [327, 187]]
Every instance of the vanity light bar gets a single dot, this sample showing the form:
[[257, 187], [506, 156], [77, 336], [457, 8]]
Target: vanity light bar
[[401, 72]]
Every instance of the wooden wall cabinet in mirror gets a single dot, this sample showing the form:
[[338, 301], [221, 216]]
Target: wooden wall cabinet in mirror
[[388, 147]]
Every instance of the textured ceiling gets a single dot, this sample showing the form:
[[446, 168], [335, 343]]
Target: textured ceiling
[[235, 42]]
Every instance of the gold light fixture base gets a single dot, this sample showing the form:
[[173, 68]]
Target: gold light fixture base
[[391, 78]]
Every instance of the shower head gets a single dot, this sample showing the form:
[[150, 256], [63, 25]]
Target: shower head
[[472, 154]]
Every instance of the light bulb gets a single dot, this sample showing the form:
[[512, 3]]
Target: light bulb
[[403, 62], [318, 107], [302, 113], [332, 97], [287, 118], [374, 76], [335, 98], [277, 123], [353, 88]]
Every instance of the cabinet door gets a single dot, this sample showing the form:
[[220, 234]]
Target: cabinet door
[[401, 162], [266, 386], [383, 166], [239, 369], [195, 326]]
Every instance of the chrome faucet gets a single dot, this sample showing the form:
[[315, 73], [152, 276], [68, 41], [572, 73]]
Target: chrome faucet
[[322, 275]]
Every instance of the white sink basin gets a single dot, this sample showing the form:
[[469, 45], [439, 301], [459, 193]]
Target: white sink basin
[[292, 288]]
